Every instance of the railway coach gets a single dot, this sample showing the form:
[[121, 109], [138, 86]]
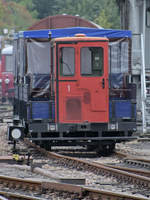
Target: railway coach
[[6, 74], [73, 86]]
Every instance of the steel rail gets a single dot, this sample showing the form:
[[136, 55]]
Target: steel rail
[[82, 192], [17, 196], [89, 192], [20, 183], [130, 170], [96, 168], [132, 157]]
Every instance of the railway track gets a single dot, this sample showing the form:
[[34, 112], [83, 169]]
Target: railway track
[[16, 196], [130, 170], [126, 156], [76, 192], [136, 165], [136, 177], [100, 169]]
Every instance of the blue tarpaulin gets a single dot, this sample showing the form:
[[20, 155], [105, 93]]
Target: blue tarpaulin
[[70, 32]]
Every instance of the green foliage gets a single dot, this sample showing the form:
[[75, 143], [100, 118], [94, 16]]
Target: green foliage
[[1, 10], [20, 16], [14, 16], [103, 12], [108, 15], [88, 9], [103, 20], [45, 8], [20, 13], [28, 4]]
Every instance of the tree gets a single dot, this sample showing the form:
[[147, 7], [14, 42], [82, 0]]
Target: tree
[[45, 8], [88, 9], [14, 16], [1, 9], [103, 12], [109, 15], [103, 20]]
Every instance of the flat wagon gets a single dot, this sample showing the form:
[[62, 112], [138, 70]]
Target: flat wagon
[[73, 86]]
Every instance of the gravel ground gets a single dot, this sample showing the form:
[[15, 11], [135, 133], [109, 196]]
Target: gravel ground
[[5, 148], [92, 180], [98, 182], [135, 147]]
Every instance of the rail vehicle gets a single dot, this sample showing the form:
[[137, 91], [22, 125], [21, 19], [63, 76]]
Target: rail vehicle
[[6, 74], [73, 86]]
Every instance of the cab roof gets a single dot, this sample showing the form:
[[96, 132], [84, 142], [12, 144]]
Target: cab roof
[[80, 37]]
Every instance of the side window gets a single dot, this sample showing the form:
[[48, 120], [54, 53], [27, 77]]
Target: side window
[[91, 61], [38, 57], [67, 61]]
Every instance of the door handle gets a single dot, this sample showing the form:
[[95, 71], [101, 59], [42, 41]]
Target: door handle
[[103, 83]]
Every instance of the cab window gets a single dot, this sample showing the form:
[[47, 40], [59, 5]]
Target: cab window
[[91, 61], [67, 61]]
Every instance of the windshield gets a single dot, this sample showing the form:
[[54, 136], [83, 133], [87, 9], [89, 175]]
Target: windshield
[[67, 61]]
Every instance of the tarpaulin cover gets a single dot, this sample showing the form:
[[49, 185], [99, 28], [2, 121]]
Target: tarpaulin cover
[[69, 32]]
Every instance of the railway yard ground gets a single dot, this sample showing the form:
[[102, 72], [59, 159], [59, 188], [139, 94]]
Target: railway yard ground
[[73, 174]]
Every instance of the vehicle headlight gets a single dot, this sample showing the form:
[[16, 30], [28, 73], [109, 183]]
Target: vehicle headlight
[[7, 80], [113, 126], [52, 127], [16, 133]]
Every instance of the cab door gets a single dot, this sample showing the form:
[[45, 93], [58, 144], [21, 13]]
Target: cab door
[[93, 80], [68, 98]]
